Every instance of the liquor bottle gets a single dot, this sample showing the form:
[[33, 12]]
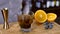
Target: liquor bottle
[[57, 3], [52, 4], [44, 4], [38, 4], [26, 8], [48, 4]]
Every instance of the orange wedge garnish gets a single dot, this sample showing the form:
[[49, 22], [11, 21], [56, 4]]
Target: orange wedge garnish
[[51, 16], [40, 16]]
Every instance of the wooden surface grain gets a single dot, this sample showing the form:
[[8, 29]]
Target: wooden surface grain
[[36, 29]]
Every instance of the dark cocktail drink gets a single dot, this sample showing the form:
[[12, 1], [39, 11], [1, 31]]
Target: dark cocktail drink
[[25, 22]]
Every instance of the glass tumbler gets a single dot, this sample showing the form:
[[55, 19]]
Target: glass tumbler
[[25, 21]]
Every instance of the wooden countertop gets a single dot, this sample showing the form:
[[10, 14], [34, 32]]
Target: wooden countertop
[[36, 29]]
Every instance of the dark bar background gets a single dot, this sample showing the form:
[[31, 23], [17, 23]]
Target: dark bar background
[[14, 7]]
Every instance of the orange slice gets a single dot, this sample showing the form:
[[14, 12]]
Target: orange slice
[[51, 16], [40, 16]]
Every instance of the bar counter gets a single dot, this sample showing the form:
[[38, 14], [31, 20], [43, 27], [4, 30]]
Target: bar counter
[[36, 29]]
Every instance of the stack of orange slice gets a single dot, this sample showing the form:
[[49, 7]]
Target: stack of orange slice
[[51, 16], [40, 16]]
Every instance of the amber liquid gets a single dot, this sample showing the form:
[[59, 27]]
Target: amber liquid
[[25, 21]]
